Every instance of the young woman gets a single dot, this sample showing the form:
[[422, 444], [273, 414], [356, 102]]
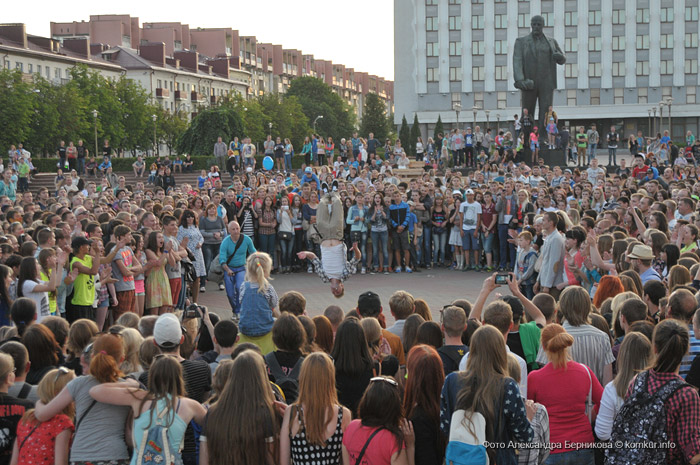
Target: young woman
[[298, 223], [267, 224], [316, 421], [99, 427], [306, 151], [139, 279], [158, 295], [285, 234], [6, 280], [165, 397], [43, 352], [188, 228], [439, 223], [379, 224], [46, 442], [353, 363], [241, 426], [421, 403], [455, 237], [29, 285], [213, 231]]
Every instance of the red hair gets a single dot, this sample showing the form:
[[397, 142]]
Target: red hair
[[609, 286], [424, 382]]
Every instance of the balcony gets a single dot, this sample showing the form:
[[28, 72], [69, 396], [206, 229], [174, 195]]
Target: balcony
[[162, 92], [179, 95], [196, 96]]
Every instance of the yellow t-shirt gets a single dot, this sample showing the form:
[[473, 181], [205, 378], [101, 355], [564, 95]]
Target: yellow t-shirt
[[84, 285], [52, 295]]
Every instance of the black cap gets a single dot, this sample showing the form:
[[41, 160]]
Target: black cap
[[369, 304], [80, 241]]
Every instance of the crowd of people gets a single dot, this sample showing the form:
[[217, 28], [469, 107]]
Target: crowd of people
[[593, 344]]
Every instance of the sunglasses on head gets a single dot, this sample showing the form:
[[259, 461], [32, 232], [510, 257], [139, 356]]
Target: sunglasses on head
[[384, 379]]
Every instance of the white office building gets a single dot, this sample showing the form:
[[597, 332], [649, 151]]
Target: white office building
[[625, 60]]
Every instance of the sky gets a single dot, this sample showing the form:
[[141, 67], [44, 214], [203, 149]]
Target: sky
[[358, 34]]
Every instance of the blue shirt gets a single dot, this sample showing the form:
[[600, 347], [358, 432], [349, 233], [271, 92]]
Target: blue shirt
[[313, 178], [468, 138], [238, 260], [412, 220]]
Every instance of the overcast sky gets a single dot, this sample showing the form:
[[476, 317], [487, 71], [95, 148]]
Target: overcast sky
[[356, 33]]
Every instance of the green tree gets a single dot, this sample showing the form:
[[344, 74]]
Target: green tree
[[405, 134], [318, 99], [170, 126], [44, 130], [137, 115], [17, 100], [374, 117], [199, 138], [415, 134], [438, 129]]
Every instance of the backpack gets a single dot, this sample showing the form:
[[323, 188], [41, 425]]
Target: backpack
[[289, 383], [642, 419], [155, 446], [465, 446]]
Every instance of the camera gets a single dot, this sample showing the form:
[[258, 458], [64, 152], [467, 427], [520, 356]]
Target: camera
[[502, 278], [191, 311]]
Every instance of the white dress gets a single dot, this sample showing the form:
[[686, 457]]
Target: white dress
[[195, 238]]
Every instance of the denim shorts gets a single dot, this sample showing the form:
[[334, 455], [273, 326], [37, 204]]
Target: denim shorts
[[469, 242], [487, 242]]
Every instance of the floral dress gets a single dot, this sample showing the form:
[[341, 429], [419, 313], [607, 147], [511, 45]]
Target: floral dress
[[158, 288], [38, 440], [195, 238]]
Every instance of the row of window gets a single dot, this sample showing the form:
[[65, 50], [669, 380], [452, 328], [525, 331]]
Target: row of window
[[42, 71], [570, 70], [570, 18]]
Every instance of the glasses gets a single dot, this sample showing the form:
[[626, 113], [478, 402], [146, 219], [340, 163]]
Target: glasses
[[386, 380], [61, 371]]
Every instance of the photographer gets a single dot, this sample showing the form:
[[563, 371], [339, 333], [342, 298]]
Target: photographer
[[247, 216]]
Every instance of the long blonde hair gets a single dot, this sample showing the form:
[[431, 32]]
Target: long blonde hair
[[50, 385], [317, 395], [258, 268], [132, 344], [635, 356]]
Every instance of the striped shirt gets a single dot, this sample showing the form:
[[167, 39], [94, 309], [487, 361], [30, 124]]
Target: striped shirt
[[591, 347], [690, 356]]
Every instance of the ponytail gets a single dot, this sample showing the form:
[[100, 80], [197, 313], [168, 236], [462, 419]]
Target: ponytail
[[671, 341], [107, 353], [258, 268], [556, 342]]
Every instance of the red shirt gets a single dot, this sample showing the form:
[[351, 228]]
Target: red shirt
[[487, 214], [564, 394], [40, 447], [380, 449]]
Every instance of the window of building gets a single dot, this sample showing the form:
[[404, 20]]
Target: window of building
[[665, 92], [455, 48], [667, 15], [548, 19], [618, 17], [501, 73], [432, 49], [479, 99], [501, 47], [571, 44], [501, 21], [19, 66], [618, 42], [38, 70], [690, 95], [478, 47], [501, 99], [432, 74], [7, 64], [618, 69], [691, 13], [478, 73], [571, 18], [642, 68], [595, 96], [48, 71], [160, 84], [594, 18], [455, 23], [30, 68], [571, 70], [455, 2], [642, 15], [642, 95], [691, 39], [619, 96], [455, 74], [666, 40], [477, 22], [431, 2], [524, 20], [571, 97], [431, 23], [691, 66], [643, 42], [594, 44], [594, 69], [666, 66], [57, 73]]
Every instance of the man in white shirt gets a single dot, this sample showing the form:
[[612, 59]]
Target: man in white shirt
[[594, 171], [552, 269]]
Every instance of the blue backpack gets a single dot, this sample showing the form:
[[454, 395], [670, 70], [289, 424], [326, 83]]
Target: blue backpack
[[467, 437], [155, 447]]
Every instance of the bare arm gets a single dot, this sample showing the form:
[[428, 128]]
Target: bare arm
[[531, 309], [44, 412], [486, 289], [62, 447], [285, 451]]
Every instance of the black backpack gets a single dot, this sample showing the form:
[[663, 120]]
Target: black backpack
[[642, 420], [289, 383]]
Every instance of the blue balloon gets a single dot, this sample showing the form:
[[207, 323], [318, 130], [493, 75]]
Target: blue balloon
[[268, 163]]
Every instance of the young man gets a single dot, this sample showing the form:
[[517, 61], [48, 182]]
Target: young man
[[233, 253], [225, 339], [553, 251], [124, 272], [369, 305], [402, 305], [83, 270], [398, 214], [470, 219], [454, 323]]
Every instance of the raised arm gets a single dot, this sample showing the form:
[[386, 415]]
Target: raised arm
[[530, 308]]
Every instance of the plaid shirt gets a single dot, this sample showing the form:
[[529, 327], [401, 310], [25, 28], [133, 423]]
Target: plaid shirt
[[682, 417], [350, 268]]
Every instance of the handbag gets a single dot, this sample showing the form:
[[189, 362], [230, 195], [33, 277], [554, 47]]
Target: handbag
[[589, 400], [285, 235], [216, 271]]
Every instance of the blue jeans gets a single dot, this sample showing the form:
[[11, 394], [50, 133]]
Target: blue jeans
[[507, 250], [233, 287], [439, 243], [288, 162], [209, 251], [380, 238], [591, 152], [573, 457], [612, 154], [362, 244], [81, 166], [427, 245], [286, 247], [267, 244]]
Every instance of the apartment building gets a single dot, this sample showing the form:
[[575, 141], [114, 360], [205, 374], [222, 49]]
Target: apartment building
[[627, 62]]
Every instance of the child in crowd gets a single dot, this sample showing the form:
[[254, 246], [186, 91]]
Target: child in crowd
[[552, 132], [258, 303], [525, 264]]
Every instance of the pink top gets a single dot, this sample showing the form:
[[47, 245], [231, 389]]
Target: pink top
[[380, 449]]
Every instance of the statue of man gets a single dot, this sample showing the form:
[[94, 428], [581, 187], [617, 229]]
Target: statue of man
[[535, 60]]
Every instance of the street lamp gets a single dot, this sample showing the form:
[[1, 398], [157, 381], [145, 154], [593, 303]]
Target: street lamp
[[669, 101], [498, 128], [155, 145], [487, 118], [474, 110], [653, 110], [661, 115], [649, 111], [317, 118], [456, 106], [94, 114], [269, 125]]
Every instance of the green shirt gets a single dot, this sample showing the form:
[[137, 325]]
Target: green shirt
[[84, 286], [582, 140], [23, 170]]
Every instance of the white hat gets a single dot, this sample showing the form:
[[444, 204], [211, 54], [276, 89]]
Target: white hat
[[167, 331]]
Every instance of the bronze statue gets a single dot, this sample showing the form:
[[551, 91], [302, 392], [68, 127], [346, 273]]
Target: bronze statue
[[535, 60]]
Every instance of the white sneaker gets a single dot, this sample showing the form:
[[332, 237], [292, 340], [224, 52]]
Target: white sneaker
[[202, 289], [222, 287], [364, 271], [310, 269]]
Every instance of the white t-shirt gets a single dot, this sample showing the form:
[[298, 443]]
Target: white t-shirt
[[469, 212], [41, 299], [333, 260]]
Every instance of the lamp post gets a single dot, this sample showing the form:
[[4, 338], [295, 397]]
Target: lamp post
[[94, 115], [155, 145], [669, 101], [474, 110], [661, 115], [649, 111], [317, 118], [487, 118], [653, 110], [498, 128], [456, 106], [269, 125]]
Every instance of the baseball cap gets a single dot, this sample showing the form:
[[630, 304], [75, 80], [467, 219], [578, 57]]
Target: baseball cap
[[456, 192], [369, 304], [308, 170], [80, 241], [167, 331], [469, 191], [567, 171]]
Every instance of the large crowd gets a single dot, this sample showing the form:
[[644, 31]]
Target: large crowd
[[589, 357]]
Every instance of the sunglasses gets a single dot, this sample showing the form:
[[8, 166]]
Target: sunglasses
[[61, 371], [386, 380]]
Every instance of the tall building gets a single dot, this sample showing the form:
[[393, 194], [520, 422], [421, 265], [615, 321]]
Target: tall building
[[628, 62]]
